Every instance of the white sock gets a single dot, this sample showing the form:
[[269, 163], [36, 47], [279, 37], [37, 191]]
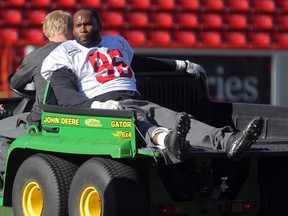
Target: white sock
[[162, 133], [161, 138]]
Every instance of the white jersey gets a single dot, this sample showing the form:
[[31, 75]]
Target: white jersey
[[99, 70]]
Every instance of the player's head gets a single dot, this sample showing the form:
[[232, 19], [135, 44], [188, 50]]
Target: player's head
[[87, 27], [56, 23]]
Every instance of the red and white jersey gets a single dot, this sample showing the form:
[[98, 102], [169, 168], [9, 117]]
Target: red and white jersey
[[100, 69]]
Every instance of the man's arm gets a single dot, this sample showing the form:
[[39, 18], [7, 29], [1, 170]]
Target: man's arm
[[64, 84], [24, 73], [151, 64]]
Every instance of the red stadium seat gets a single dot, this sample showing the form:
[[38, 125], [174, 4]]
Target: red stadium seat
[[140, 5], [262, 21], [115, 4], [137, 19], [213, 5], [35, 17], [281, 39], [235, 39], [16, 3], [9, 35], [260, 39], [70, 4], [236, 21], [186, 38], [33, 35], [189, 5], [283, 6], [11, 17], [160, 38], [136, 37], [210, 39], [40, 3], [91, 3], [113, 19], [281, 22], [110, 33], [187, 20], [238, 5], [165, 4], [162, 20], [263, 5], [211, 20]]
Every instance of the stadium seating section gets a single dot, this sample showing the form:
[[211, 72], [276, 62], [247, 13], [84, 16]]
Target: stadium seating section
[[229, 24]]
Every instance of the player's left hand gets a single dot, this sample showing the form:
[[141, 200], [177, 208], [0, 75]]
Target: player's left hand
[[195, 70]]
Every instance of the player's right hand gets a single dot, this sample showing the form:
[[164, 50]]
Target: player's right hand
[[195, 70]]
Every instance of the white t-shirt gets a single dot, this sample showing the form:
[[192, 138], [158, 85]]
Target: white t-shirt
[[99, 70]]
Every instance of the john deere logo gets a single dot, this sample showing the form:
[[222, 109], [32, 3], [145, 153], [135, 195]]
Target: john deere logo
[[62, 120], [93, 123]]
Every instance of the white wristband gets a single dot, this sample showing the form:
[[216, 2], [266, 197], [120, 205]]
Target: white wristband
[[180, 65]]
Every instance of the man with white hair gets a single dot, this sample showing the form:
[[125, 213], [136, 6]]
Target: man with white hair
[[57, 27]]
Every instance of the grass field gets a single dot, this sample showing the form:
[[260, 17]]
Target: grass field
[[4, 211]]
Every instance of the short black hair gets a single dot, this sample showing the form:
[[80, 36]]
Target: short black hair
[[94, 14]]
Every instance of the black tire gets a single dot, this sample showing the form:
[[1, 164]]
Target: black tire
[[41, 186], [107, 188]]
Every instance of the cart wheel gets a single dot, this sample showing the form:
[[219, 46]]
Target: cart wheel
[[106, 187], [41, 186]]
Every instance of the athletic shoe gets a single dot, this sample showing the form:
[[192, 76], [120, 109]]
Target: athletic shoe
[[239, 142], [176, 138]]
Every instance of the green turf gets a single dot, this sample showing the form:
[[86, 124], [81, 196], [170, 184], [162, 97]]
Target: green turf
[[5, 211]]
